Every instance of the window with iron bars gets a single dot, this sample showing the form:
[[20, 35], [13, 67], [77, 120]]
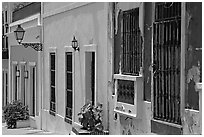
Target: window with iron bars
[[129, 62], [131, 43], [69, 88], [52, 84], [166, 58]]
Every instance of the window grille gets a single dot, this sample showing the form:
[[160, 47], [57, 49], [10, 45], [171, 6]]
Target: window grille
[[125, 91], [166, 59], [69, 88], [52, 82], [131, 40]]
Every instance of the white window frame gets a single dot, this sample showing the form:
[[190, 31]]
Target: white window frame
[[53, 50], [70, 49]]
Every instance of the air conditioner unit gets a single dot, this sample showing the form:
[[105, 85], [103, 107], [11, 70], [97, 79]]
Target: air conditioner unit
[[129, 94]]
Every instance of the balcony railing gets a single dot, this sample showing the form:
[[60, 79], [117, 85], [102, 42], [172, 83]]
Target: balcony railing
[[26, 11]]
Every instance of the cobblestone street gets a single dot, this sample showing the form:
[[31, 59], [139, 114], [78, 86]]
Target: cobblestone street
[[24, 131]]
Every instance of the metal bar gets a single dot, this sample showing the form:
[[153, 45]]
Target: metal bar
[[123, 58], [133, 35], [170, 72]]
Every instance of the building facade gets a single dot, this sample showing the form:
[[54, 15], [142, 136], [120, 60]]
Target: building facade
[[24, 62], [5, 30], [142, 61]]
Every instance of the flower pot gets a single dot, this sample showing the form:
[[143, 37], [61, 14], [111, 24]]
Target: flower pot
[[22, 123]]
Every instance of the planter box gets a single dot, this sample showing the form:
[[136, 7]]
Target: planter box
[[77, 130], [23, 123]]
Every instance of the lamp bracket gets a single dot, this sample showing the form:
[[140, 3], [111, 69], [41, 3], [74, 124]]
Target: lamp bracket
[[35, 46]]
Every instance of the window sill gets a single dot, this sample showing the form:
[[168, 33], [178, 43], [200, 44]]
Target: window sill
[[165, 128], [78, 130], [68, 120], [52, 112], [127, 77]]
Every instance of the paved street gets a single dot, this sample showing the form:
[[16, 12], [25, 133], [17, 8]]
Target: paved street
[[24, 131]]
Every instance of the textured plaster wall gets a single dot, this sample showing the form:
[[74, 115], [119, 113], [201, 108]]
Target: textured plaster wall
[[122, 125], [5, 64], [193, 52], [192, 122], [192, 118]]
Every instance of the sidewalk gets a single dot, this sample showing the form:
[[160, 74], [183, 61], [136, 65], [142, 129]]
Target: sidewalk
[[24, 131]]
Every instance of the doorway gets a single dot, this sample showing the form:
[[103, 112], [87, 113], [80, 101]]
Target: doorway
[[90, 77], [166, 62]]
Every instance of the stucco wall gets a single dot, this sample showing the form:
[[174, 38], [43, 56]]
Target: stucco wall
[[5, 64], [88, 25], [121, 125], [192, 118], [193, 53]]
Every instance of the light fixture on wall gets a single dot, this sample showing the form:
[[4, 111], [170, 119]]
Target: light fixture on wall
[[19, 33], [26, 74], [75, 45], [17, 73]]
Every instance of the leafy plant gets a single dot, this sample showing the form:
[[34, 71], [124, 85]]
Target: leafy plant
[[91, 117], [15, 111]]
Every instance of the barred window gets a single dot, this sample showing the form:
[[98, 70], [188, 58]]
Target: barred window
[[52, 83], [131, 41], [127, 43], [69, 88]]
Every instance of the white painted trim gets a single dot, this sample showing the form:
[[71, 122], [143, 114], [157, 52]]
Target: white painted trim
[[68, 49], [22, 63], [126, 77], [36, 16], [66, 8], [192, 110], [14, 63], [60, 116], [32, 64], [54, 50], [90, 48], [45, 110]]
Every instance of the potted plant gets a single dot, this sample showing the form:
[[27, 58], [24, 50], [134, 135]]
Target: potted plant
[[15, 111], [90, 118]]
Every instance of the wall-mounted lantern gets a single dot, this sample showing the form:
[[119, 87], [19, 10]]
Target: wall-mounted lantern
[[17, 73], [75, 45], [19, 33], [26, 74]]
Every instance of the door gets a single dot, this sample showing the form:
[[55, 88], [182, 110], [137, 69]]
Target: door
[[90, 76], [32, 91], [166, 62]]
